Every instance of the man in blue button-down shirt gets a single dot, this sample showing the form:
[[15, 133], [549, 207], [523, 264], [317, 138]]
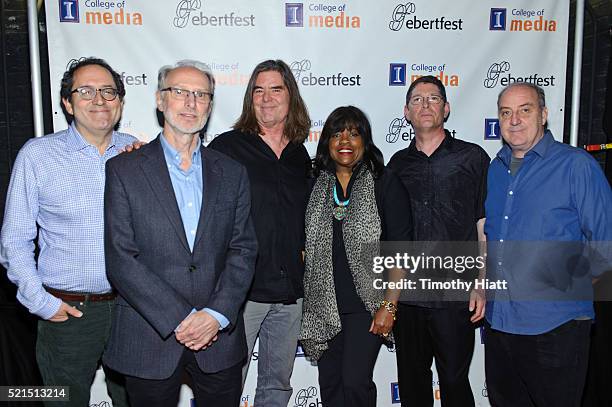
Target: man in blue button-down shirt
[[547, 202], [57, 193], [180, 250]]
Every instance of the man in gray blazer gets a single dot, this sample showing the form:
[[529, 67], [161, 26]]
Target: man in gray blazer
[[180, 251]]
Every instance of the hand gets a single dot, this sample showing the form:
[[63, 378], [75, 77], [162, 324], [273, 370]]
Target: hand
[[64, 312], [478, 304], [198, 331], [128, 148], [382, 323]]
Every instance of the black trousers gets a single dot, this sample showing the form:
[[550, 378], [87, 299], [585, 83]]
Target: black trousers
[[346, 368], [537, 370], [599, 376], [220, 389], [422, 334]]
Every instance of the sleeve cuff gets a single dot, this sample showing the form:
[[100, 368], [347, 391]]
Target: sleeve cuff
[[223, 321], [50, 308]]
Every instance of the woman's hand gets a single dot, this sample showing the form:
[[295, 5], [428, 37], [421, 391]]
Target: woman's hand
[[382, 323]]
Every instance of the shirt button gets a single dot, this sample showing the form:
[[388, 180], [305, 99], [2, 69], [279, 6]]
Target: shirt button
[[505, 217], [193, 232], [501, 240], [190, 204], [511, 193], [499, 263]]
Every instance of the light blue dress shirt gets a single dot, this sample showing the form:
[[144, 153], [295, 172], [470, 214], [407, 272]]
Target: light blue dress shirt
[[57, 191], [188, 188]]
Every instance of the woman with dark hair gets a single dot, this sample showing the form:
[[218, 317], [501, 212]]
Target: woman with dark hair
[[353, 206]]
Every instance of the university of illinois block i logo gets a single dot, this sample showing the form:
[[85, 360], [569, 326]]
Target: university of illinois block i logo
[[497, 19], [294, 14], [491, 129], [397, 74], [69, 11]]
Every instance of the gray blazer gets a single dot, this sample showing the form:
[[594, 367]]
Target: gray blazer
[[157, 277]]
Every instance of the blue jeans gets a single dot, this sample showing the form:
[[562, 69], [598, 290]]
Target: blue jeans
[[277, 326]]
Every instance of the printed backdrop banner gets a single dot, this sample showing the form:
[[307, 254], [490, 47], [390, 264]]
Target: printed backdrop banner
[[341, 52]]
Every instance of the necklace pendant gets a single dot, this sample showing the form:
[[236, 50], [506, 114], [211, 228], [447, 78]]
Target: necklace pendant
[[340, 212]]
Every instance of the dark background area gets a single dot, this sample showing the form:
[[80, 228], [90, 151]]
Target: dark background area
[[16, 127]]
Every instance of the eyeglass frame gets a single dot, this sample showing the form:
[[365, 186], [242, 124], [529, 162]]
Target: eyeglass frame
[[173, 89], [429, 101], [80, 88]]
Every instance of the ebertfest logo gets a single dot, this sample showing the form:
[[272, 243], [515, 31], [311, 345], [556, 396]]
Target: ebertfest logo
[[303, 76], [184, 16], [498, 73], [401, 128], [183, 11], [74, 61], [304, 396], [399, 20], [128, 80]]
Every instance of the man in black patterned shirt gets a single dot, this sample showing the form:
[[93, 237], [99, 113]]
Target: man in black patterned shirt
[[446, 179]]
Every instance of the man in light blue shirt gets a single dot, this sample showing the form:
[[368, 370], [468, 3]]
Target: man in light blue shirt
[[180, 249], [57, 192]]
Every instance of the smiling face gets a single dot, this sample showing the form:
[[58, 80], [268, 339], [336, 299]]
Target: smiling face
[[270, 99], [187, 116], [521, 119], [346, 149], [97, 117], [426, 115]]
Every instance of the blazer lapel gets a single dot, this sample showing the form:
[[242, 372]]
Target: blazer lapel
[[211, 180], [156, 172]]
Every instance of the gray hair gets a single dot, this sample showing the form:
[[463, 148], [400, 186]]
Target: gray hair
[[539, 91], [200, 66]]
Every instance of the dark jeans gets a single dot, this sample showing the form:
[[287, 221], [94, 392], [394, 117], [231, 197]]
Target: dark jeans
[[537, 370], [220, 389], [346, 368], [444, 333], [68, 354]]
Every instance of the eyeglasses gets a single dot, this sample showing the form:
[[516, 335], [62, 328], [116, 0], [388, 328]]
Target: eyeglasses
[[431, 99], [89, 93], [182, 94]]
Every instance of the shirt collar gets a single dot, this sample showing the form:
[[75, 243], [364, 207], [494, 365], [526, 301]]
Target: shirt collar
[[172, 156], [541, 148], [445, 144], [75, 141], [259, 141]]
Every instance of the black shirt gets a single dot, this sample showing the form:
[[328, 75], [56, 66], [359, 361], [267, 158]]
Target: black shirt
[[396, 225], [447, 189], [279, 194]]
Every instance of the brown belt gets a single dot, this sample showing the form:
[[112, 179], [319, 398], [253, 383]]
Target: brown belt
[[80, 297]]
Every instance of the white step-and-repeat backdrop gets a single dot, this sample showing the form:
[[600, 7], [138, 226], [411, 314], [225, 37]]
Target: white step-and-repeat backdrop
[[342, 52]]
